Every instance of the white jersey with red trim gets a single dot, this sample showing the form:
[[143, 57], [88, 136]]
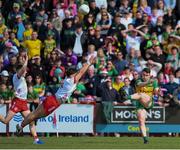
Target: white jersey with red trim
[[65, 92], [20, 87]]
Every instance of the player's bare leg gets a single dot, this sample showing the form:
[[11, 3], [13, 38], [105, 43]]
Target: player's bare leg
[[143, 98], [32, 127], [8, 117], [141, 114], [36, 114]]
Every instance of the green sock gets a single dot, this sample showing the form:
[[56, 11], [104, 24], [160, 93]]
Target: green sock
[[145, 138]]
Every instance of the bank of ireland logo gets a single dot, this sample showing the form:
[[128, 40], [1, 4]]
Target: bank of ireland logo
[[18, 118]]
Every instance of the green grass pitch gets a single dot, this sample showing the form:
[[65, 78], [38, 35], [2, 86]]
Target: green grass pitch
[[84, 142]]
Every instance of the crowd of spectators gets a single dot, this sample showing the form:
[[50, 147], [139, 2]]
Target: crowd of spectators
[[125, 35]]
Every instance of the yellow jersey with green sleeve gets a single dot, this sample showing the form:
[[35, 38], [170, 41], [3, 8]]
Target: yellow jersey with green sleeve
[[147, 89]]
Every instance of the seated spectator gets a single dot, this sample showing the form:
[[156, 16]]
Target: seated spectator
[[6, 94]]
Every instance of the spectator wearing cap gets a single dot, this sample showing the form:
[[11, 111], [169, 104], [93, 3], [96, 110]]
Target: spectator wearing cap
[[49, 44], [15, 12], [9, 51], [33, 45], [109, 96], [4, 77], [80, 40], [40, 28], [19, 27]]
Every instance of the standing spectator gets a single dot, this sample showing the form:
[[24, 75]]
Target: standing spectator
[[49, 44], [109, 96], [33, 45], [120, 63], [79, 41], [67, 34]]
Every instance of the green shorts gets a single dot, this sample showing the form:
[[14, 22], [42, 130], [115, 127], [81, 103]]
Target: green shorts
[[140, 106]]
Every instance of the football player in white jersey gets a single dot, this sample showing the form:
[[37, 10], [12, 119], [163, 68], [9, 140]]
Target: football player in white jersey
[[19, 102], [63, 93]]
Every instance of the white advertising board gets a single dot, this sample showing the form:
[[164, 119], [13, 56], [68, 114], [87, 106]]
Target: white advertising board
[[2, 112], [68, 118]]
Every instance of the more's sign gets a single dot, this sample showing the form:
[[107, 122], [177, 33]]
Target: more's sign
[[127, 114]]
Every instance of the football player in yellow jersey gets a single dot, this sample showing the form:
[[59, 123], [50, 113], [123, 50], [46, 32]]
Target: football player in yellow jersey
[[145, 88]]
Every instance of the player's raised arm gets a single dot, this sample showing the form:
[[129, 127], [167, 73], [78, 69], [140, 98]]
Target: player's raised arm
[[22, 70], [85, 67]]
